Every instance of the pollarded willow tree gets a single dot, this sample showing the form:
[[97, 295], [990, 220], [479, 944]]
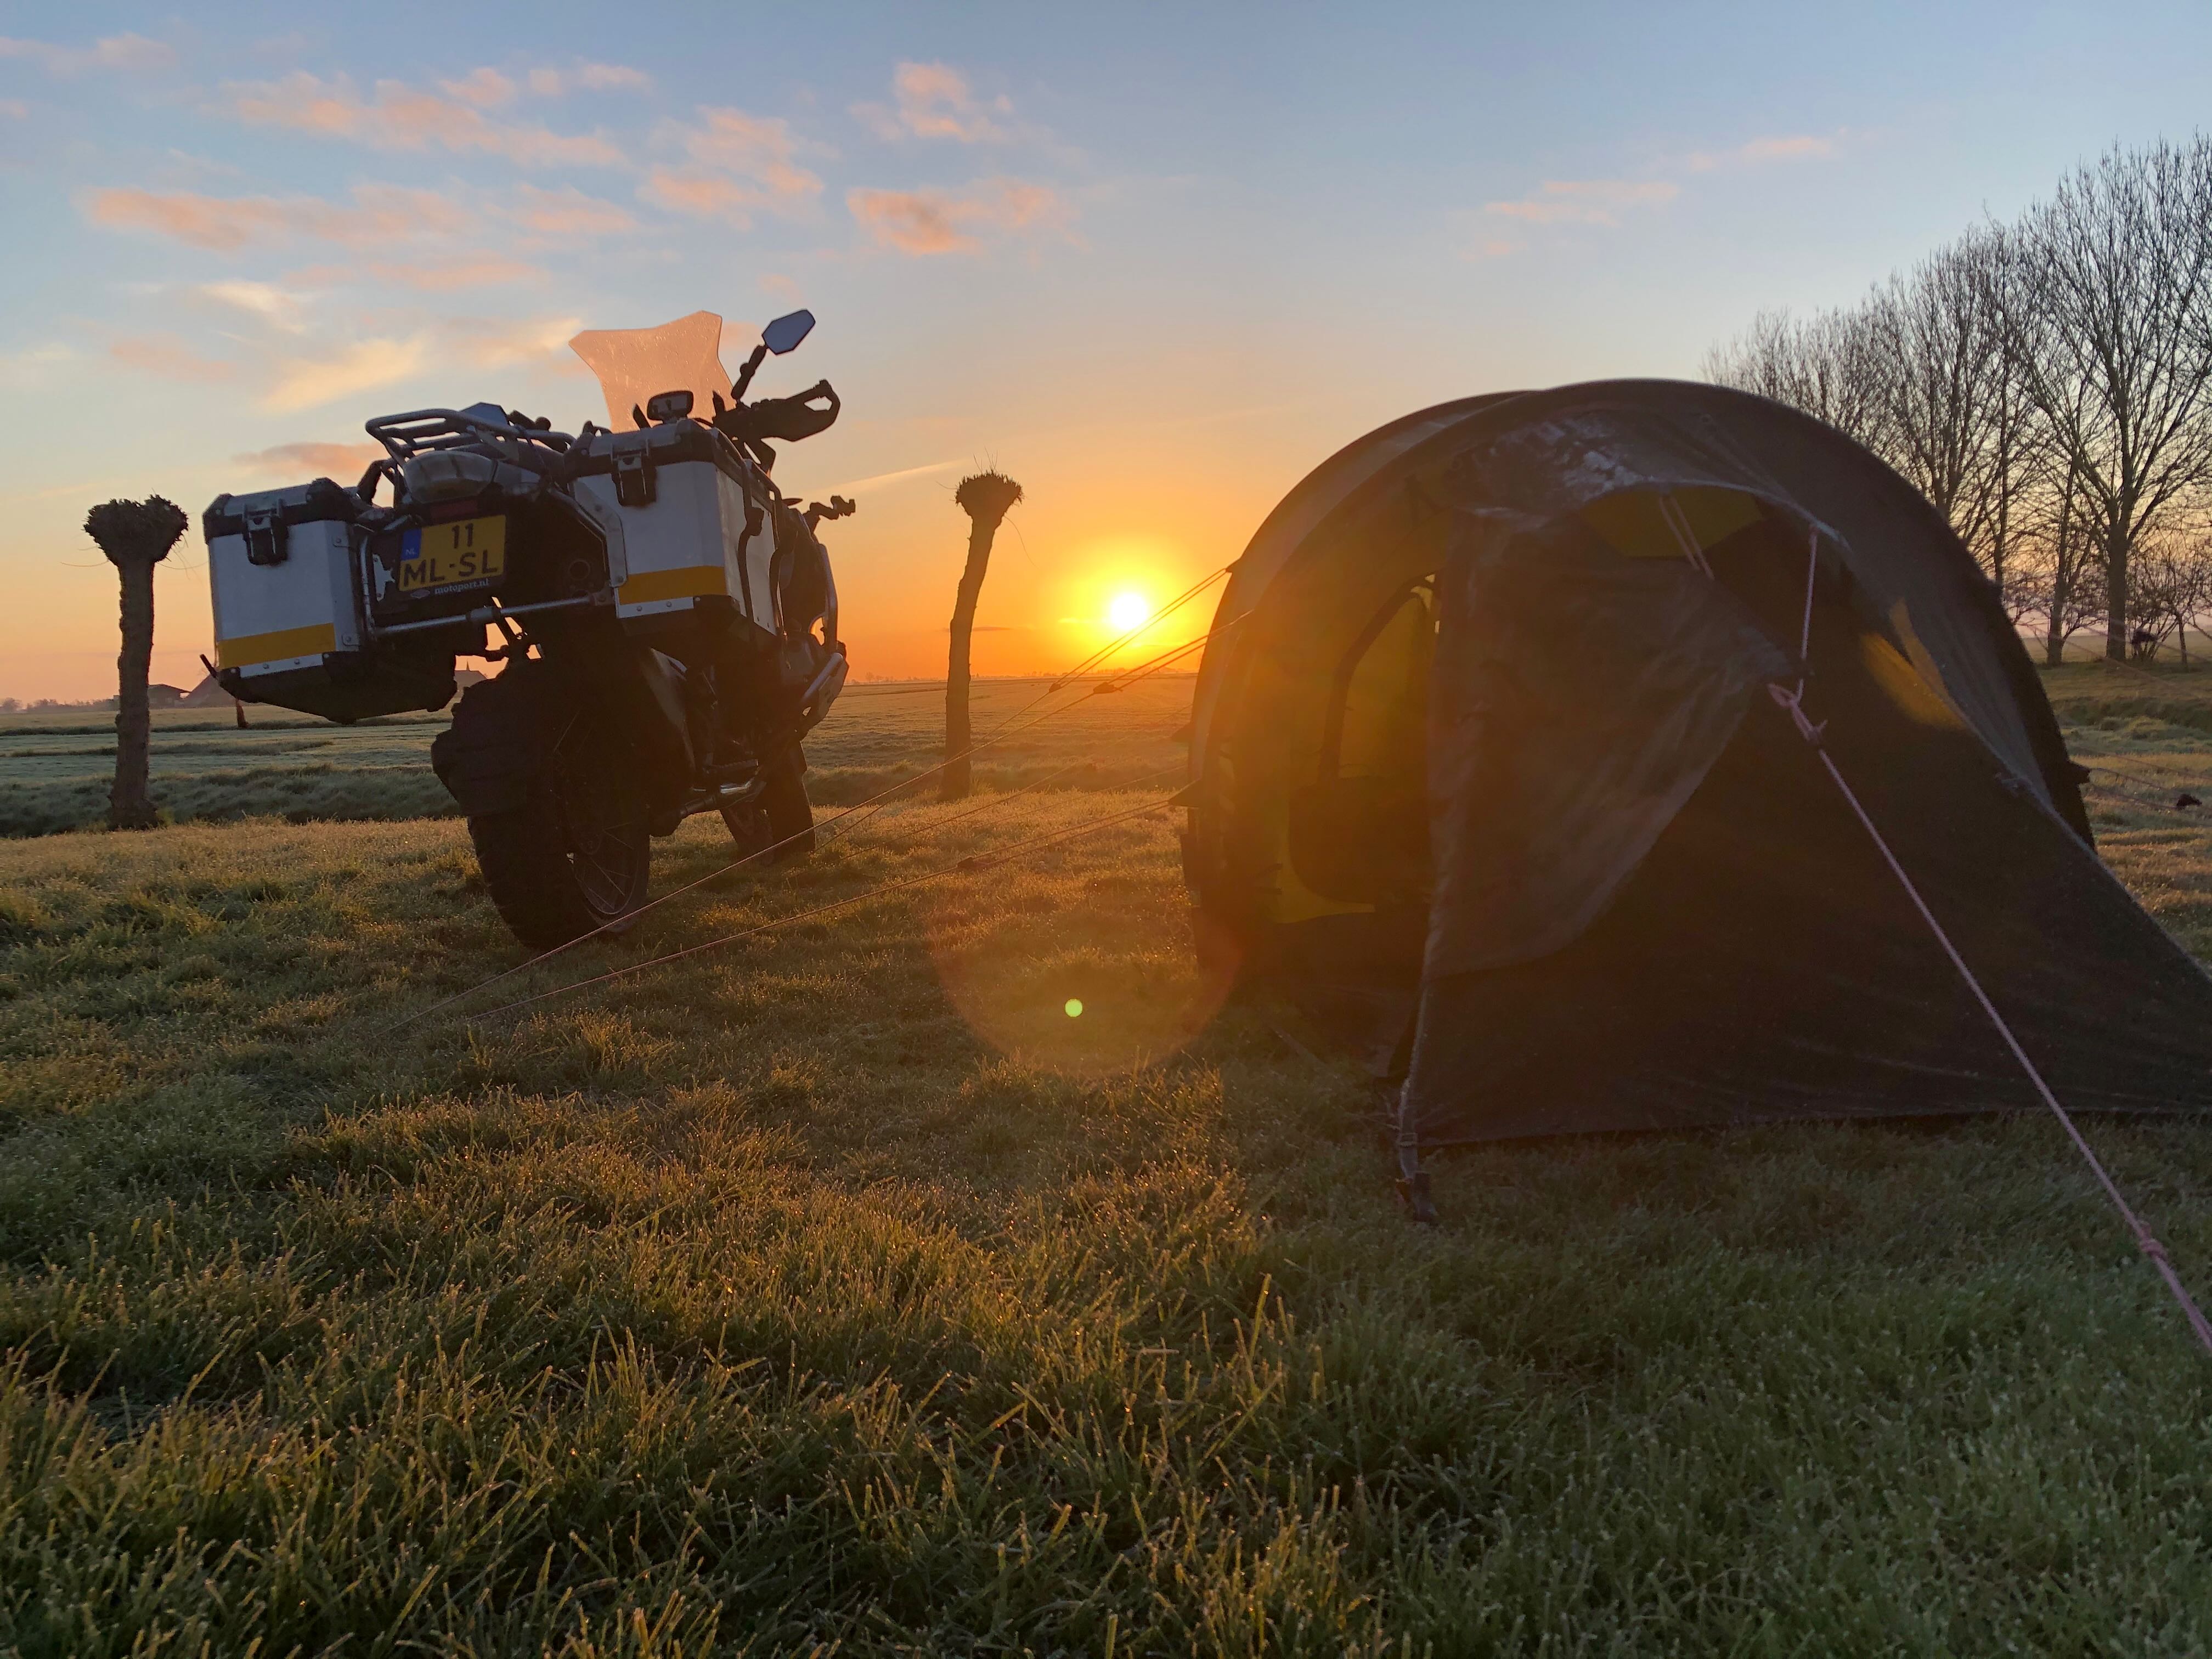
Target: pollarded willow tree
[[986, 498], [135, 536]]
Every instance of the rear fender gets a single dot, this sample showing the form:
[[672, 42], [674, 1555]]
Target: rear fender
[[504, 731], [503, 734]]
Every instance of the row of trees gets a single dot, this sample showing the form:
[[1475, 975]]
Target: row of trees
[[2048, 385]]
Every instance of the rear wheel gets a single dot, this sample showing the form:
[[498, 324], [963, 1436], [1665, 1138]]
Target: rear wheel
[[574, 859], [780, 816]]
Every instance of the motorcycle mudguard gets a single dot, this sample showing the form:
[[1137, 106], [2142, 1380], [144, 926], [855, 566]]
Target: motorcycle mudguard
[[504, 730], [501, 733]]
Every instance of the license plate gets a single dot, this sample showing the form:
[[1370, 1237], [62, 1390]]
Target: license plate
[[452, 554]]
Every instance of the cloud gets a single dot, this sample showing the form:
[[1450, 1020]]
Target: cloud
[[1586, 201], [913, 222], [589, 78], [276, 306], [885, 480], [756, 146], [181, 167], [1603, 201], [703, 196], [169, 358], [934, 101], [775, 282], [1794, 147], [202, 221], [926, 222], [310, 460], [28, 368], [569, 212], [15, 109], [399, 116], [306, 382], [378, 213], [114, 51], [443, 274], [487, 89], [487, 343], [740, 164], [484, 269]]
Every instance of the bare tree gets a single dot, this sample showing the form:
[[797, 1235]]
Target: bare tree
[[2174, 588], [2107, 307], [986, 498], [2047, 386], [1828, 365], [1956, 421], [135, 536], [1917, 372], [2059, 575]]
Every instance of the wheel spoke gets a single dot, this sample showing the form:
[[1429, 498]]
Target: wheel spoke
[[606, 852]]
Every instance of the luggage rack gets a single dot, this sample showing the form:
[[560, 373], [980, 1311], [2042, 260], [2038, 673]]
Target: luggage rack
[[421, 430], [425, 431]]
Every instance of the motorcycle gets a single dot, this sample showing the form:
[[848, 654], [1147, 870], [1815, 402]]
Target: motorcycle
[[666, 618]]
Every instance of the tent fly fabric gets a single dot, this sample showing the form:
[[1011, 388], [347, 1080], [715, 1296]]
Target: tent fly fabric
[[1499, 772]]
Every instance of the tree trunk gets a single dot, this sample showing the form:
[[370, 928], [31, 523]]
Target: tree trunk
[[135, 536], [958, 737], [131, 803], [986, 498], [2054, 641], [2115, 596]]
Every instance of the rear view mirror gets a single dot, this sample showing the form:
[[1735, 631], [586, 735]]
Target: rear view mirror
[[785, 333], [668, 406]]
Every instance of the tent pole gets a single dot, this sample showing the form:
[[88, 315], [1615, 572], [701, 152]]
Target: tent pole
[[1413, 1179]]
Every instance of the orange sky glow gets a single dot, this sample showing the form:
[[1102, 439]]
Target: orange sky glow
[[1154, 272]]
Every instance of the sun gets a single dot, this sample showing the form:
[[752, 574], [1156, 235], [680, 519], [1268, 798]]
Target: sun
[[1128, 610]]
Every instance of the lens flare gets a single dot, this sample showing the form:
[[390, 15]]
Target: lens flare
[[1128, 610], [1126, 991]]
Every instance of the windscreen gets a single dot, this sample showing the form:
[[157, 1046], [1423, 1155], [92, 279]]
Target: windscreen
[[635, 364]]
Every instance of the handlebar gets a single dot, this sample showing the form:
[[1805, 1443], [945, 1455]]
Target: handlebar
[[788, 419]]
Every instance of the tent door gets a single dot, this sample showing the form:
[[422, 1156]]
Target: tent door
[[1359, 833]]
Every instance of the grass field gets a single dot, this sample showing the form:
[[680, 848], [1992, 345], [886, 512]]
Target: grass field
[[837, 1290], [56, 768]]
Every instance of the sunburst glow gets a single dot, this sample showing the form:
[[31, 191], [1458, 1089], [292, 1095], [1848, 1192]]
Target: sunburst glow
[[1126, 611]]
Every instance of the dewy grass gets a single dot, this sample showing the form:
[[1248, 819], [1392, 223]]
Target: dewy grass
[[838, 1290], [55, 769]]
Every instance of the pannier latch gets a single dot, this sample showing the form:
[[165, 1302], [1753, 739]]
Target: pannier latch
[[634, 484], [266, 534]]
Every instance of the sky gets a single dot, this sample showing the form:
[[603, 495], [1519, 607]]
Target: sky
[[1155, 262]]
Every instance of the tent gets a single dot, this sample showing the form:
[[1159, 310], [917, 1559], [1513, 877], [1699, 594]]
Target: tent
[[1528, 758]]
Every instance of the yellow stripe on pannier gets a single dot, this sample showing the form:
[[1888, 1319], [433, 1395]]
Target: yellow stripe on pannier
[[250, 650], [684, 582]]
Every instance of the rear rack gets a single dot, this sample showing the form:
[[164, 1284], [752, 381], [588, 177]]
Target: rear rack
[[404, 436]]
